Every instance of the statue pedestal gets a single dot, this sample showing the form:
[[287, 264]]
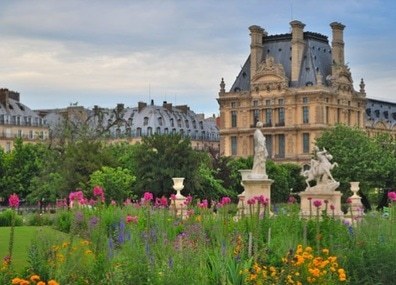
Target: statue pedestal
[[321, 192], [255, 185], [356, 209]]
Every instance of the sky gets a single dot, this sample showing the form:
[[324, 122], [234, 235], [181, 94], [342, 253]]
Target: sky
[[104, 52]]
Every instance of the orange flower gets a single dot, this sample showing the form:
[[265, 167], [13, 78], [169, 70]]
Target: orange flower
[[34, 278], [53, 282]]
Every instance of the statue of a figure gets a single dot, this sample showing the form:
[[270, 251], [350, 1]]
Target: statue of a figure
[[320, 167], [260, 151]]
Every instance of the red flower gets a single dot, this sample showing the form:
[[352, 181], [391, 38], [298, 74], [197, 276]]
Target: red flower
[[309, 198], [13, 201], [332, 207], [349, 200]]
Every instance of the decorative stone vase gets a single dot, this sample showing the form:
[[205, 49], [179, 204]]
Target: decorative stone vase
[[354, 188], [178, 186]]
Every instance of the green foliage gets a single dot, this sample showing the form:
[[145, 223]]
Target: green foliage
[[116, 182], [63, 221], [161, 157], [6, 218], [209, 187], [371, 161], [79, 161], [19, 167]]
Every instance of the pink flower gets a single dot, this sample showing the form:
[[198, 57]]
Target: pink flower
[[291, 200], [13, 201], [225, 201], [173, 197], [131, 219], [349, 200], [127, 202], [261, 200], [392, 196], [251, 201], [113, 203], [98, 191], [188, 200], [203, 204], [76, 196], [317, 203], [161, 202], [148, 196]]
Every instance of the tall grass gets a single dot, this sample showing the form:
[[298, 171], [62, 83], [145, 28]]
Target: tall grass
[[142, 244]]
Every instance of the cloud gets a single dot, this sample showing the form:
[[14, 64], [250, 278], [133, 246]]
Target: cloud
[[57, 52]]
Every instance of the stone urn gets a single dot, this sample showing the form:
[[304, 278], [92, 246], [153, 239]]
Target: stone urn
[[178, 186]]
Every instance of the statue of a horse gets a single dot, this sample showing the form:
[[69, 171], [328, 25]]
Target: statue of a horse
[[320, 171]]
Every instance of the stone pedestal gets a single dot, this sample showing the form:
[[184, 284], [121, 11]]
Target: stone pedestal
[[255, 185], [322, 192], [179, 201]]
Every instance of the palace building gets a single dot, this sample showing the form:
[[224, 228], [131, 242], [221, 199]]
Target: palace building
[[298, 85]]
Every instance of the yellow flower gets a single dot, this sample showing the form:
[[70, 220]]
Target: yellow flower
[[325, 251], [308, 249], [85, 242], [34, 278]]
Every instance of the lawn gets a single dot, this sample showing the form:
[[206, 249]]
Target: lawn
[[23, 237]]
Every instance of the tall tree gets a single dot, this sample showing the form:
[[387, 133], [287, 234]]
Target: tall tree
[[20, 166], [161, 157], [359, 158]]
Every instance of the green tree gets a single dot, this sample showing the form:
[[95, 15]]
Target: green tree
[[116, 182], [359, 158], [20, 166], [161, 157], [79, 160]]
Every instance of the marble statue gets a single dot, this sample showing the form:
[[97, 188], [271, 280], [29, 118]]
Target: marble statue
[[320, 168], [260, 152]]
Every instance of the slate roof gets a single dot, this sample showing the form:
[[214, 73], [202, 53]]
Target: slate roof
[[316, 56]]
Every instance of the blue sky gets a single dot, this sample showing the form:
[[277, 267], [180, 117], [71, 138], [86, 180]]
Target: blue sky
[[106, 52]]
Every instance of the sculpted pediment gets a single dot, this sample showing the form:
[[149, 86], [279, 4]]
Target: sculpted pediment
[[269, 72]]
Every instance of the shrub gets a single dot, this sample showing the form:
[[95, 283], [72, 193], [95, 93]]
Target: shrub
[[5, 219]]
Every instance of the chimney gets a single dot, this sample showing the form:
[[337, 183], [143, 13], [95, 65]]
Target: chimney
[[256, 48], [4, 97], [141, 106], [297, 45], [337, 44], [167, 106]]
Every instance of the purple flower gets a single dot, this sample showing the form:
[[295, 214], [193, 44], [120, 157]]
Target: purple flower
[[317, 203]]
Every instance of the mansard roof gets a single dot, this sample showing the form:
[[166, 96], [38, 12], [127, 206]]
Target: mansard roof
[[380, 111], [316, 57], [145, 119]]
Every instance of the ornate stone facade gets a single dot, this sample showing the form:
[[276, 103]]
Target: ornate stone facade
[[297, 85]]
